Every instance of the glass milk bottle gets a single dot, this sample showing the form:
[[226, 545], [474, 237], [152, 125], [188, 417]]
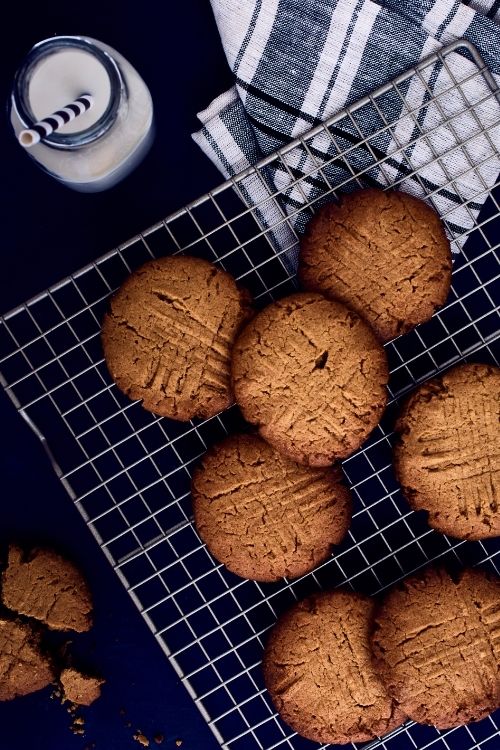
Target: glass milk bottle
[[112, 129]]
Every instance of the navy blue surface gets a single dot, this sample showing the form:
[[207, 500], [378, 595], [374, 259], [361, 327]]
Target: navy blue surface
[[49, 231]]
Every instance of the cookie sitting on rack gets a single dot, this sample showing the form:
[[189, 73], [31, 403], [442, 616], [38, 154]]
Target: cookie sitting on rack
[[384, 254], [264, 516], [318, 670], [311, 375], [436, 647], [168, 335], [447, 458]]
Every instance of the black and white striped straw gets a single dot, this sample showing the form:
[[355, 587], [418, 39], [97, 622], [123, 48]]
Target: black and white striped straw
[[48, 125]]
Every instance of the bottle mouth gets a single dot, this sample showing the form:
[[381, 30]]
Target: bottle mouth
[[22, 78]]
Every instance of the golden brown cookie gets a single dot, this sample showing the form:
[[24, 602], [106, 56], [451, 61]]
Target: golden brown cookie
[[49, 588], [312, 376], [384, 254], [264, 516], [168, 335], [24, 668], [436, 646], [80, 688], [448, 455], [318, 670]]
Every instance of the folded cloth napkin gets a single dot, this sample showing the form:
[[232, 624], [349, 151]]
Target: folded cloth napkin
[[297, 62]]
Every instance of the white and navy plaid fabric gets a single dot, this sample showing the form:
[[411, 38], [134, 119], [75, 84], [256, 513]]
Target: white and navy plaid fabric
[[297, 62]]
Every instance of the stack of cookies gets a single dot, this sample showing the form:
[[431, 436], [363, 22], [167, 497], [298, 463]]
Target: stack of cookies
[[309, 373]]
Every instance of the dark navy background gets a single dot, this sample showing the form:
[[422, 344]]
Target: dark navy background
[[47, 232]]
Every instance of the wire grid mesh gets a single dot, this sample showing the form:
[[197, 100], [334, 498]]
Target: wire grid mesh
[[128, 472]]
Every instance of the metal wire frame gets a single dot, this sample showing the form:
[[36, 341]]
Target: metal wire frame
[[129, 472]]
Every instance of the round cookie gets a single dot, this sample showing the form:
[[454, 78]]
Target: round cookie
[[318, 670], [448, 455], [24, 668], [168, 335], [264, 516], [385, 254], [436, 646], [311, 375]]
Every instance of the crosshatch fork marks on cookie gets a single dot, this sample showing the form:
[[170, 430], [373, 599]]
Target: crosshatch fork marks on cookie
[[168, 333], [128, 472], [448, 455]]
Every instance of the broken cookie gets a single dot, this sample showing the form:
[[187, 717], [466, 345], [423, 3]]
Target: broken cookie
[[23, 666], [47, 587], [80, 688]]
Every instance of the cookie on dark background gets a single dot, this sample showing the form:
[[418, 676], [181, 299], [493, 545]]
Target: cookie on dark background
[[264, 516], [79, 688], [448, 455], [318, 670], [385, 254], [44, 585], [311, 375], [168, 334], [24, 668], [436, 646]]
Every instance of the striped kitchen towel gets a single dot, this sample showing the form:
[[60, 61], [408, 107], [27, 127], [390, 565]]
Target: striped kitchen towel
[[297, 62]]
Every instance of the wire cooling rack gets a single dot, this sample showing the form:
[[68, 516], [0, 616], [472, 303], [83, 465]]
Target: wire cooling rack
[[128, 472]]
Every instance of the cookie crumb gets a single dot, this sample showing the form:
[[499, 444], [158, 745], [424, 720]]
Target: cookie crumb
[[78, 725], [141, 739], [80, 688], [158, 738]]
